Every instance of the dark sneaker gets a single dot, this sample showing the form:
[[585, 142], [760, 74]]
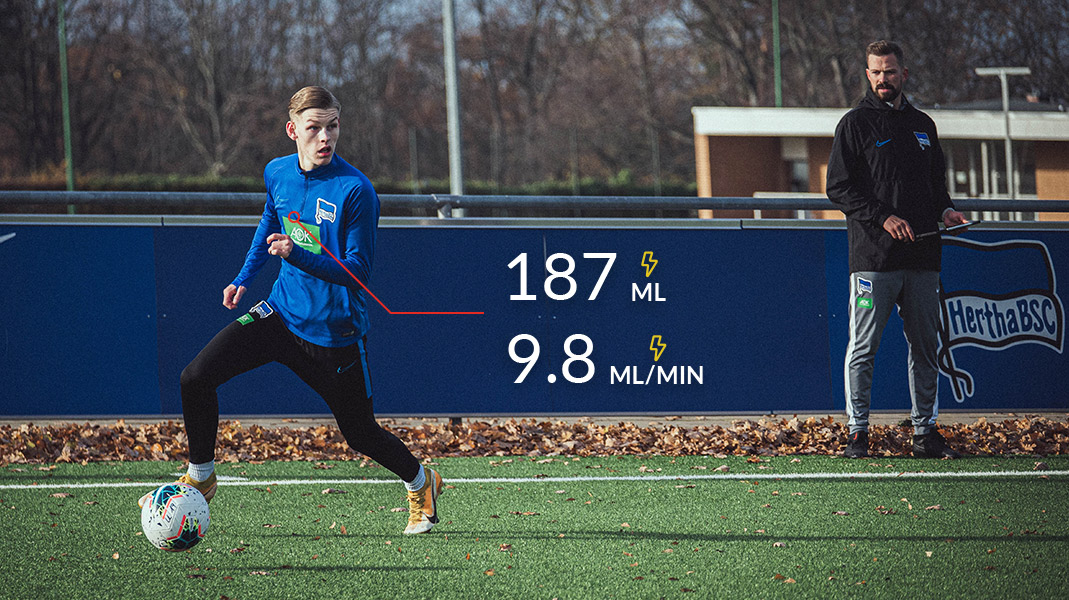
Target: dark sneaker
[[857, 445], [933, 445]]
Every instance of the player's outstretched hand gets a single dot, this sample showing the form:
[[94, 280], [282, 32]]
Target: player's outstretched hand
[[280, 245], [232, 295]]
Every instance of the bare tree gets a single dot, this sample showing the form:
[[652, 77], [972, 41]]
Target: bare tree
[[492, 80], [731, 38], [210, 74], [553, 88], [821, 55], [523, 54], [1032, 34], [350, 49], [639, 38], [414, 96], [29, 73]]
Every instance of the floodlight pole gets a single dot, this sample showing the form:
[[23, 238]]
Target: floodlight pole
[[65, 99], [1002, 73], [777, 69], [456, 168]]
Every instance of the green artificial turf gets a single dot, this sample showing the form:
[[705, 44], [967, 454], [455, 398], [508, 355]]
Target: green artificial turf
[[748, 535]]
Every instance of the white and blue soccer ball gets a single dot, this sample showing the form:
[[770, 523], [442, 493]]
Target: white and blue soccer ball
[[175, 517]]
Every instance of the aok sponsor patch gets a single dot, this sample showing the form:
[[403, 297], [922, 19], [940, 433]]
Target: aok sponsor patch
[[864, 302], [1014, 302], [301, 238]]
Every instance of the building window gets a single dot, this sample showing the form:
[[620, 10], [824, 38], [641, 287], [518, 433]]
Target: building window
[[977, 168], [798, 175]]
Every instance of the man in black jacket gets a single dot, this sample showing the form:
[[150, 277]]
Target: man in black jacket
[[887, 174]]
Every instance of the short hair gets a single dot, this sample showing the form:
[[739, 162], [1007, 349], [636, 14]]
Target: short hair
[[883, 48], [312, 96]]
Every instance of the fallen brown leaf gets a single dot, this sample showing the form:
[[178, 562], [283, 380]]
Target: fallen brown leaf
[[528, 438]]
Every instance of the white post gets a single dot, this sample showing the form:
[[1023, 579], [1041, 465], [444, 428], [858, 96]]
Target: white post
[[456, 169], [1002, 73]]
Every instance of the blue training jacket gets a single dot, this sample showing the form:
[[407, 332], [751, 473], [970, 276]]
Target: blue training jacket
[[315, 297]]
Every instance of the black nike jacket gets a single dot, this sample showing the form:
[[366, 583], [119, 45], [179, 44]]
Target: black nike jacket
[[888, 162]]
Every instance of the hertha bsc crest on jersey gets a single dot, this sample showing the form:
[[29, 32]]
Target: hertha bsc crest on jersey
[[864, 286], [922, 139], [325, 210]]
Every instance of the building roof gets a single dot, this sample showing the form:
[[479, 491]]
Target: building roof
[[821, 122], [1016, 104]]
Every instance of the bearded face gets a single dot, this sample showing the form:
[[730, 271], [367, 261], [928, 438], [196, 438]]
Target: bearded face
[[886, 77]]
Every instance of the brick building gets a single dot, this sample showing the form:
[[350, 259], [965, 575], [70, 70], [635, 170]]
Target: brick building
[[747, 151]]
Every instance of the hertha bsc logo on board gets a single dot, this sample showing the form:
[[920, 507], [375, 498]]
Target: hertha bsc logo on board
[[1010, 299], [325, 210]]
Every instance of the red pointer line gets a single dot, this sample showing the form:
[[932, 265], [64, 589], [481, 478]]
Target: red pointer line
[[295, 217]]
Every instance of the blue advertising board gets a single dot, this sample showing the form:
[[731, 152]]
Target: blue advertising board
[[577, 317]]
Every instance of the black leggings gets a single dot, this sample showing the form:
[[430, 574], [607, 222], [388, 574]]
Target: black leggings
[[336, 374]]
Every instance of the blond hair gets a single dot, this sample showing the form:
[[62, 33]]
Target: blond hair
[[312, 96]]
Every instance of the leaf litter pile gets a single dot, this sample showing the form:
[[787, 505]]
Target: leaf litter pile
[[771, 436]]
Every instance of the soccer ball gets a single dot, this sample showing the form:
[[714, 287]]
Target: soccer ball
[[175, 517]]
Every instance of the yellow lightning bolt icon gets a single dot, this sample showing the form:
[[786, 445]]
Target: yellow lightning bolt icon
[[657, 347], [649, 262]]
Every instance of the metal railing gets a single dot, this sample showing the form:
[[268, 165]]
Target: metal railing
[[445, 204]]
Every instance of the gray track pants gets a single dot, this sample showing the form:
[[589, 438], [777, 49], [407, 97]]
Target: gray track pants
[[872, 297]]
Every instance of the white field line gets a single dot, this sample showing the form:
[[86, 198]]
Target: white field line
[[229, 481]]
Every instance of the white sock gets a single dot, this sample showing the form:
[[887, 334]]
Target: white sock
[[415, 484], [202, 471]]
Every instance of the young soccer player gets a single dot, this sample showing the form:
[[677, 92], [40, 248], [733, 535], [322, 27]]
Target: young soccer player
[[315, 320]]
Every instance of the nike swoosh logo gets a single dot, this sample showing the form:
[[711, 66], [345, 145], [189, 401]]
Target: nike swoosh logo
[[879, 144], [4, 238]]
